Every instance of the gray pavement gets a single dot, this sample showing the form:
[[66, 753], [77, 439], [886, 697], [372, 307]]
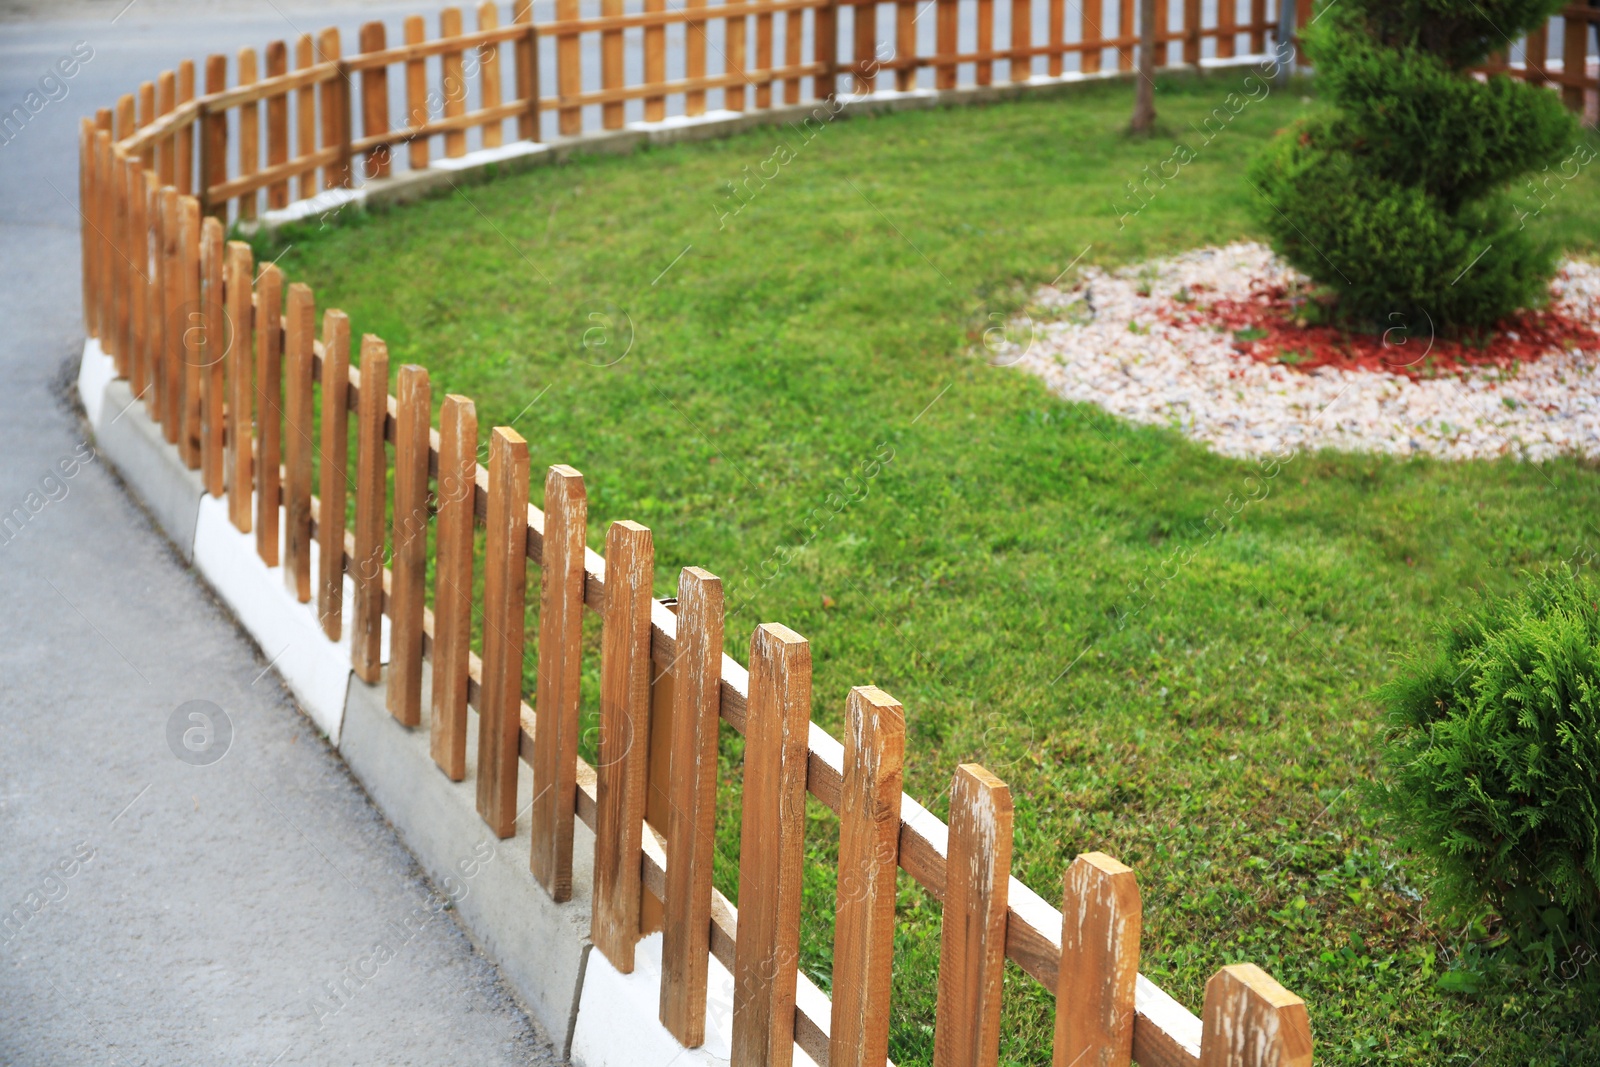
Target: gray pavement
[[155, 909]]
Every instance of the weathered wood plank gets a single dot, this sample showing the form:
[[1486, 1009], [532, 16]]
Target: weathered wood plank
[[869, 839], [561, 574], [972, 940], [771, 848], [1101, 920], [505, 583], [623, 756]]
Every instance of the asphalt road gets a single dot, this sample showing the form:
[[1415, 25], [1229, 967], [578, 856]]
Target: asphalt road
[[156, 907]]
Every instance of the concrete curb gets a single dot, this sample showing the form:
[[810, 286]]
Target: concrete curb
[[541, 947]]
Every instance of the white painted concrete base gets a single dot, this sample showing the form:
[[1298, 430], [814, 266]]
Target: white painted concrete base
[[95, 372], [619, 1016], [290, 635]]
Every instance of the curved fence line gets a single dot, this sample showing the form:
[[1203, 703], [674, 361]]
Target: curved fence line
[[227, 362]]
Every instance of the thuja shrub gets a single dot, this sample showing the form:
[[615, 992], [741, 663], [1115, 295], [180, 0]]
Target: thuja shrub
[[1493, 760], [1398, 200]]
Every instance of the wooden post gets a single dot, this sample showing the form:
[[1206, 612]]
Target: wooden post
[[736, 36], [413, 413], [489, 64], [945, 43], [336, 127], [300, 332], [1227, 29], [452, 595], [1125, 31], [691, 824], [764, 57], [1574, 61], [1250, 1020], [1258, 26], [1191, 31], [249, 133], [825, 27], [972, 947], [555, 750], [269, 410], [694, 56], [305, 117], [156, 299], [793, 41], [1093, 32], [139, 249], [1163, 32], [171, 319], [104, 258], [505, 584], [1536, 53], [526, 52], [866, 46], [191, 324], [167, 148], [214, 140], [241, 389], [905, 45], [771, 848], [655, 63], [1101, 920], [366, 635], [87, 193], [277, 125], [869, 845], [185, 160], [611, 112], [624, 750], [116, 340], [417, 91], [334, 470], [375, 99], [147, 115], [1021, 40], [215, 339], [452, 83], [984, 68]]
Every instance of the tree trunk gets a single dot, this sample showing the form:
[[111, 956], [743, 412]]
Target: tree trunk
[[1144, 104]]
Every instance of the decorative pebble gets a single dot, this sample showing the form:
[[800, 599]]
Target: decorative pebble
[[1112, 341]]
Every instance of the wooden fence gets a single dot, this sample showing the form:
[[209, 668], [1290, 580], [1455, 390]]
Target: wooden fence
[[229, 362]]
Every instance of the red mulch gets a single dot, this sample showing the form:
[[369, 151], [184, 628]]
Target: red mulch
[[1406, 348]]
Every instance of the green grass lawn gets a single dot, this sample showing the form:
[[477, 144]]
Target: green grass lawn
[[799, 403]]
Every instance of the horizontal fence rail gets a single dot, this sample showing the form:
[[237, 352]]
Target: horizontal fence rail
[[258, 393]]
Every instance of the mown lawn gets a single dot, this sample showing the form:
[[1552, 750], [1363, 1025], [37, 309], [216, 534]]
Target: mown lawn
[[799, 402]]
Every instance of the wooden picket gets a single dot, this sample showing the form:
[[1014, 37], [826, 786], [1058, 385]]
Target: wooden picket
[[372, 411], [269, 410], [622, 756], [972, 944], [413, 410], [452, 597], [505, 580], [333, 473], [771, 847], [240, 438], [300, 332], [869, 846], [691, 785], [561, 576], [1101, 920], [214, 338]]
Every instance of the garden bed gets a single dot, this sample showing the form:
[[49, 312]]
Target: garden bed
[[1217, 343]]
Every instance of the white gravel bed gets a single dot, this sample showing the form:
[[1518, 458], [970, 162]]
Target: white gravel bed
[[1107, 344]]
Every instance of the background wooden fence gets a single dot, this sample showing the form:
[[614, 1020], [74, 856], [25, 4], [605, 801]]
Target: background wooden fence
[[293, 124], [233, 365]]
